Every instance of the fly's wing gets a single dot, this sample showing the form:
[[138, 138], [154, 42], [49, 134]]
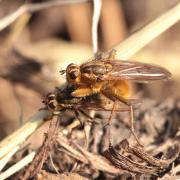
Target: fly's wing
[[107, 105], [136, 71]]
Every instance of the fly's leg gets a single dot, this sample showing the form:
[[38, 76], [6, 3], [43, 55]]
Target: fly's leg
[[132, 125], [99, 55], [109, 124], [111, 54], [81, 123], [78, 117], [90, 119], [113, 95], [86, 115], [106, 56]]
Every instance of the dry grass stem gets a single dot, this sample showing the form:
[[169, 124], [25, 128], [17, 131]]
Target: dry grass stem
[[95, 22], [16, 31], [19, 136], [8, 156], [141, 38], [15, 168], [6, 21]]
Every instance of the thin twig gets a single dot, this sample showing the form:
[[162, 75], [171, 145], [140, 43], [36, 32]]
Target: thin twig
[[141, 38], [7, 20], [95, 21]]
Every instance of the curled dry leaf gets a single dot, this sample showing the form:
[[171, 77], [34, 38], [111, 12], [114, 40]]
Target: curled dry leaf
[[141, 153], [148, 165], [126, 163]]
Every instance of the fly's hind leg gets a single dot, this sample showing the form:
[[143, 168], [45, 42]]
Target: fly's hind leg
[[113, 95], [109, 123], [132, 125]]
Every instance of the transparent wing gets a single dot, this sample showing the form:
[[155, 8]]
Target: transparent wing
[[136, 71], [107, 105]]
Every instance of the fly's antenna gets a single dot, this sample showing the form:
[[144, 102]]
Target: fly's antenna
[[62, 72]]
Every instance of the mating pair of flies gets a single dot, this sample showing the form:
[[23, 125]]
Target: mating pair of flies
[[102, 84]]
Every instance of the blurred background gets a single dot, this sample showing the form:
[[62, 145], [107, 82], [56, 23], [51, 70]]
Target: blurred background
[[38, 45]]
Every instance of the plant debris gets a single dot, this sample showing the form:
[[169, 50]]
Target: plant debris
[[123, 159], [149, 165], [49, 140]]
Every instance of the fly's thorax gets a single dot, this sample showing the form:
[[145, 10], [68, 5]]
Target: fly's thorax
[[93, 73], [96, 69]]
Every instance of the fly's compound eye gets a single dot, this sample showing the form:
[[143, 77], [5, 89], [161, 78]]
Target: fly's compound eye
[[52, 105], [50, 101], [73, 71], [51, 97]]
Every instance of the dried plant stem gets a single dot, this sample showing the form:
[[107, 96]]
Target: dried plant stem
[[97, 161], [19, 136], [13, 169], [6, 21], [95, 22], [141, 38], [6, 158], [16, 31]]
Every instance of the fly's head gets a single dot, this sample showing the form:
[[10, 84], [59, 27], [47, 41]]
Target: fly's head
[[73, 74], [51, 103]]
